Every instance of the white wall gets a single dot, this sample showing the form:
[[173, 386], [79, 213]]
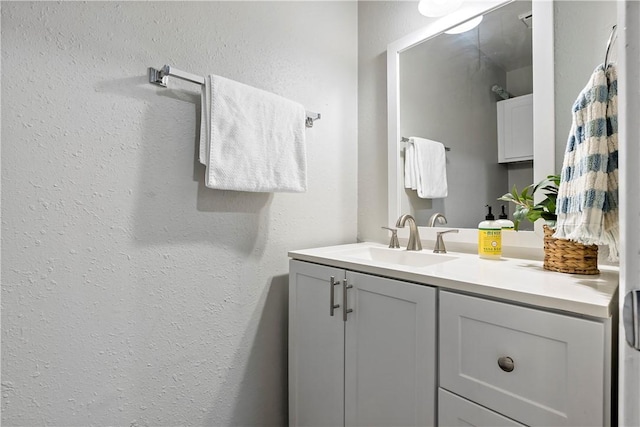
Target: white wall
[[520, 81], [577, 54], [379, 23], [131, 294]]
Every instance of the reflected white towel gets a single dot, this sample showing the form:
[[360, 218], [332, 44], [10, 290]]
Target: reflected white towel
[[427, 168], [255, 139], [410, 180]]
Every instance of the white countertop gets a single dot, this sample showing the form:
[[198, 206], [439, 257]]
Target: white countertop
[[512, 279]]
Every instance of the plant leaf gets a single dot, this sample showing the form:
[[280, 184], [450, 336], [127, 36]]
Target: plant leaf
[[514, 193], [534, 215], [508, 197], [527, 209]]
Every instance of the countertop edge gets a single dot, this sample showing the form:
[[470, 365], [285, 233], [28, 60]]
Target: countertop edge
[[599, 311]]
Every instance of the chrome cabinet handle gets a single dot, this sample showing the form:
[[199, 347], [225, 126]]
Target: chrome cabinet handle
[[332, 295], [506, 363], [345, 310]]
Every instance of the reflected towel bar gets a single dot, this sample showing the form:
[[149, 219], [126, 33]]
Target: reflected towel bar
[[405, 139], [161, 76]]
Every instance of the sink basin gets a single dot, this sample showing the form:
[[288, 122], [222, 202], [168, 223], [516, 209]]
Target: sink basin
[[398, 256]]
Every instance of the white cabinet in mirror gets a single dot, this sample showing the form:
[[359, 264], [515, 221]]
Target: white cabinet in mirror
[[515, 132], [440, 88]]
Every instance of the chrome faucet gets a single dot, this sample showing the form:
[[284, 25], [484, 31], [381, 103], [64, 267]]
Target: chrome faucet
[[439, 247], [436, 217], [414, 243]]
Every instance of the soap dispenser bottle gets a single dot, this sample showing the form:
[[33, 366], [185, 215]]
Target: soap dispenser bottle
[[489, 237], [504, 221]]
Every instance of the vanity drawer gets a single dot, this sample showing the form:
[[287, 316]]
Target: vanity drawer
[[536, 367], [454, 411]]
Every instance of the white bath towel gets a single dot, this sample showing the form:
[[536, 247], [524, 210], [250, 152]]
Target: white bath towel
[[205, 121], [256, 139], [428, 168]]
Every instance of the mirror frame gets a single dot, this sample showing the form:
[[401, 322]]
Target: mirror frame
[[543, 113]]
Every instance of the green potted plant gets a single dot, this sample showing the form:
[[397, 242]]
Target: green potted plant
[[527, 209], [560, 255]]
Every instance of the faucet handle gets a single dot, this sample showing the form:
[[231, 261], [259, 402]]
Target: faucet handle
[[394, 243], [439, 247]]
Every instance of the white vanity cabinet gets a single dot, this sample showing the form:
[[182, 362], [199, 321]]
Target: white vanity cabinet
[[515, 129], [513, 344], [374, 367], [533, 367]]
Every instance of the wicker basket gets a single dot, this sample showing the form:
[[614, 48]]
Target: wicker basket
[[566, 256]]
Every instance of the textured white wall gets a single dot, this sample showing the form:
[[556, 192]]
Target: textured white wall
[[131, 294]]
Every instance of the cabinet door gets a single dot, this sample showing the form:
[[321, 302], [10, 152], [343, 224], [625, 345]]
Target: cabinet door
[[515, 129], [316, 347], [454, 411], [390, 353]]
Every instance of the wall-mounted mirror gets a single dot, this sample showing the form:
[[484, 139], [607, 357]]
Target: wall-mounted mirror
[[450, 88], [440, 88]]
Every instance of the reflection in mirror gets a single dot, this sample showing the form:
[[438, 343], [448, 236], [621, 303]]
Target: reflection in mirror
[[446, 95]]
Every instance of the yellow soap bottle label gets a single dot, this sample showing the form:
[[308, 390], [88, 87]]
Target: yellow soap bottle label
[[490, 242]]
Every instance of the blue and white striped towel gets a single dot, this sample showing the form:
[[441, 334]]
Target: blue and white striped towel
[[587, 205]]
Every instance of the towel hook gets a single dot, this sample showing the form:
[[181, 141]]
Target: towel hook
[[609, 43]]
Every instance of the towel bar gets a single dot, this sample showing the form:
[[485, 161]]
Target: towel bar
[[405, 139], [160, 78]]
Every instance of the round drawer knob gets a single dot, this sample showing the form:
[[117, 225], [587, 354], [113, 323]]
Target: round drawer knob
[[506, 363]]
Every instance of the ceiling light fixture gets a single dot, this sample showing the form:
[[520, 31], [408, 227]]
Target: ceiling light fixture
[[469, 25], [437, 8]]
